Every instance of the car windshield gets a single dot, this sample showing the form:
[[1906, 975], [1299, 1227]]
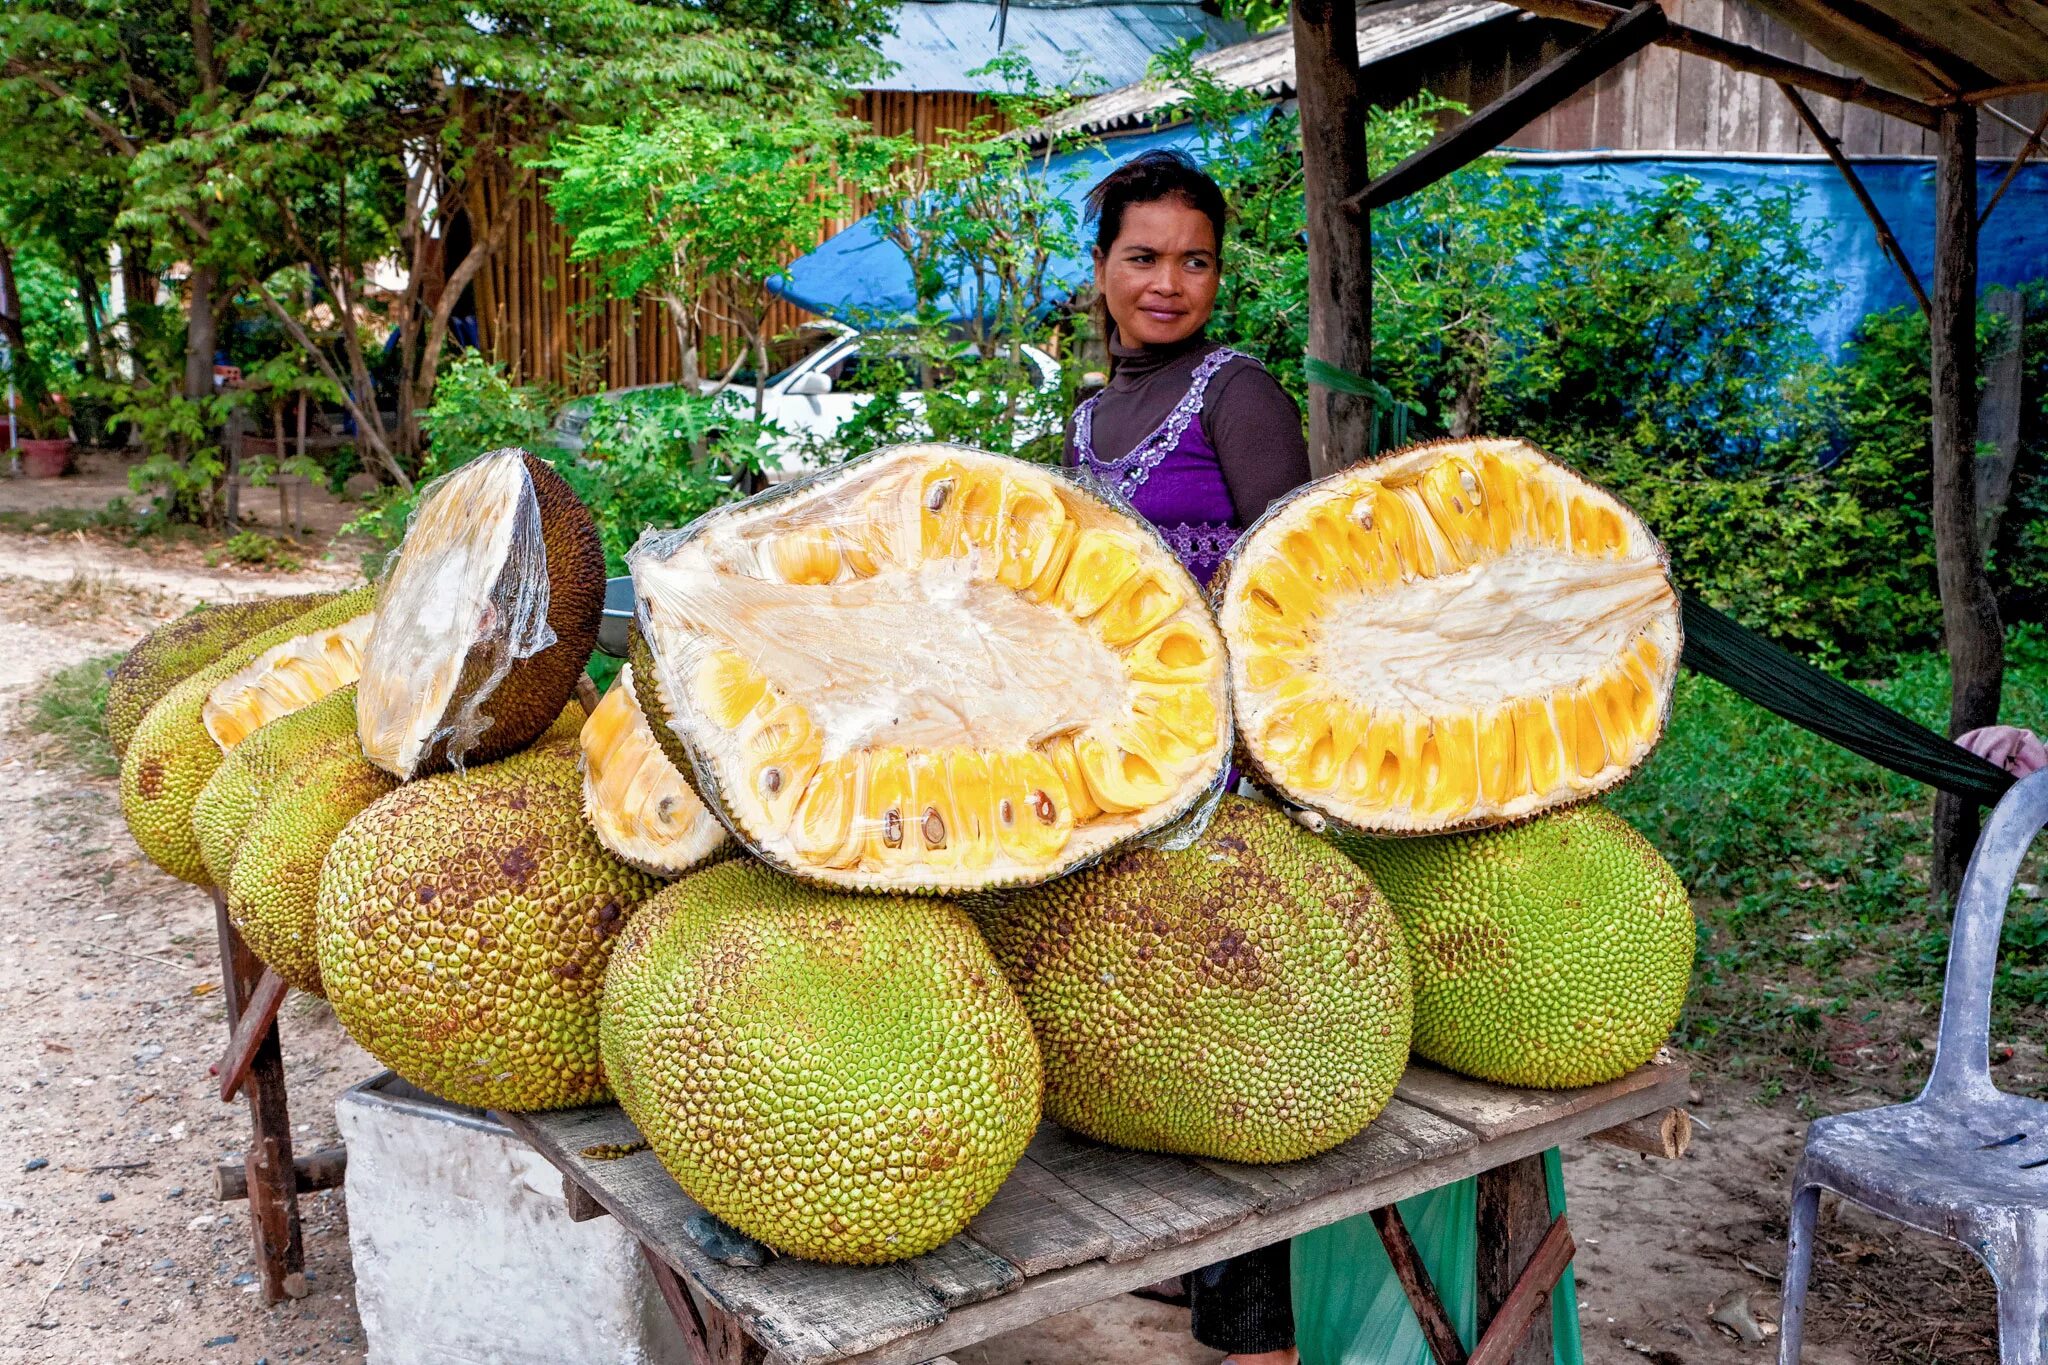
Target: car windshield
[[785, 353]]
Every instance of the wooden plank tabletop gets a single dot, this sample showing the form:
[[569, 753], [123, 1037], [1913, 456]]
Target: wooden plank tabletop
[[1076, 1222]]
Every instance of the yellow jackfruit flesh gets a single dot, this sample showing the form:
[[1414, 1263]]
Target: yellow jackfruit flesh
[[1553, 953], [172, 755], [464, 922], [1245, 998], [1454, 636], [931, 670], [638, 804], [845, 1078], [172, 653], [282, 679], [232, 797], [495, 598]]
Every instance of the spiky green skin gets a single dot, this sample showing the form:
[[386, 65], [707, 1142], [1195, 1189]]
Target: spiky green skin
[[1244, 998], [233, 797], [1554, 953], [169, 655], [529, 697], [171, 756], [464, 923], [845, 1078]]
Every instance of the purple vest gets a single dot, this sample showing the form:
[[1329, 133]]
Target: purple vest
[[1172, 478]]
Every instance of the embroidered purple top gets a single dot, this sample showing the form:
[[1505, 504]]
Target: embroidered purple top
[[1229, 442]]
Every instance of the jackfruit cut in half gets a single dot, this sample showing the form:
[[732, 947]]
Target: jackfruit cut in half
[[491, 611], [638, 804], [1457, 635], [285, 678], [931, 669]]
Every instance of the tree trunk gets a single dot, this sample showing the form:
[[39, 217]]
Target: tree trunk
[[10, 309], [200, 337], [1333, 109], [89, 307], [1969, 611]]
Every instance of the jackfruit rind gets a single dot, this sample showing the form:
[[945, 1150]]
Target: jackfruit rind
[[845, 1078], [495, 597], [231, 799], [1458, 635], [1552, 954], [931, 670], [171, 755], [464, 925], [172, 653], [639, 805], [1245, 999]]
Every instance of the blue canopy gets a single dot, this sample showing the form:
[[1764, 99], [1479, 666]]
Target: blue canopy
[[861, 278]]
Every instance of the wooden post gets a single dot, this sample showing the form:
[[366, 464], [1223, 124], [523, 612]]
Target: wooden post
[[1514, 1215], [271, 1178], [1333, 109], [1969, 611]]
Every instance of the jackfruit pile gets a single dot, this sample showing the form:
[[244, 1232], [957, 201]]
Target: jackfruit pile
[[903, 827]]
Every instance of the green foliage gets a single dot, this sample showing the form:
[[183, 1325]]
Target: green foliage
[[70, 708], [1808, 869], [254, 550]]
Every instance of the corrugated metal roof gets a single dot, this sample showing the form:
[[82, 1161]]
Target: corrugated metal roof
[[1070, 44], [1265, 64]]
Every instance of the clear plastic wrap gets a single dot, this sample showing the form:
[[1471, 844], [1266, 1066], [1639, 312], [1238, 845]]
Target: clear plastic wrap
[[464, 599], [1458, 634], [934, 669]]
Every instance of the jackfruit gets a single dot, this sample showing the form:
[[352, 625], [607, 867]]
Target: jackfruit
[[493, 606], [231, 799], [172, 653], [845, 1078], [1555, 953], [172, 754], [635, 799], [1245, 998], [930, 670], [464, 922], [1455, 636]]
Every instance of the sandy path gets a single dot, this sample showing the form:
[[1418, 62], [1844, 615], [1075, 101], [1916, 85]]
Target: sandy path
[[109, 1016]]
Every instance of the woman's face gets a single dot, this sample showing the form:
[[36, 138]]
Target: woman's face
[[1159, 276]]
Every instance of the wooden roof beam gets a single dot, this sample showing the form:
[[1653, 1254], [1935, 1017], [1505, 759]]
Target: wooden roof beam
[[1737, 57], [1885, 238], [1550, 85], [1945, 70]]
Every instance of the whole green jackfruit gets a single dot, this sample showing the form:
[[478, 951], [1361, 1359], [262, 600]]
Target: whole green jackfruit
[[1244, 998], [1554, 953], [845, 1078], [172, 755], [172, 653], [464, 924], [234, 796]]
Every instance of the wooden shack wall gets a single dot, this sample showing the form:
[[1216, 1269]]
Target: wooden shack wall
[[1666, 101], [549, 320]]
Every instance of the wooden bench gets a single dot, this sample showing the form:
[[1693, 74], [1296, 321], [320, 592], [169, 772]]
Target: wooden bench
[[1078, 1222]]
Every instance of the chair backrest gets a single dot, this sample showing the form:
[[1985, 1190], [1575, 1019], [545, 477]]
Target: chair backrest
[[1961, 1062]]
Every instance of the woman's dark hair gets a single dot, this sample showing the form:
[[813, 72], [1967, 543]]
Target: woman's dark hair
[[1147, 179]]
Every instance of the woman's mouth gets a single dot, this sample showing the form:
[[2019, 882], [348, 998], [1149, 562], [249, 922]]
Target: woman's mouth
[[1166, 315]]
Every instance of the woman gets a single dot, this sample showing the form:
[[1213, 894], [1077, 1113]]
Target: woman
[[1200, 439]]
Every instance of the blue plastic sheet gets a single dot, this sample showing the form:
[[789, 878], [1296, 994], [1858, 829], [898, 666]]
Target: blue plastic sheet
[[1350, 1310], [861, 278]]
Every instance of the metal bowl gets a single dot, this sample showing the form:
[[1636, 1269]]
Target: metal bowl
[[618, 617]]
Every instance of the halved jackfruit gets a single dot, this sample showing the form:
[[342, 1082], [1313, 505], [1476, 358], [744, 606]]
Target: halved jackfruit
[[492, 610], [634, 798], [1457, 635], [283, 679], [932, 669]]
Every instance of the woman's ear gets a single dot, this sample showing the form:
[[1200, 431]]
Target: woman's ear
[[1101, 259]]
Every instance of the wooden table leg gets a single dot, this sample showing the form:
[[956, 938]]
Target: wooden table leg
[[710, 1334], [1514, 1218], [272, 1181], [1437, 1328]]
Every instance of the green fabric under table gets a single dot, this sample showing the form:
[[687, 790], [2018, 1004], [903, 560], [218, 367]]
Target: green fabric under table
[[1350, 1309]]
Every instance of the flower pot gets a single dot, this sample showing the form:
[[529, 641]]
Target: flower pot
[[45, 459]]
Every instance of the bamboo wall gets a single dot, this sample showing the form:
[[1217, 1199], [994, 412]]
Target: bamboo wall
[[549, 319]]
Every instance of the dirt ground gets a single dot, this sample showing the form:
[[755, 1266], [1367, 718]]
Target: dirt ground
[[116, 1249]]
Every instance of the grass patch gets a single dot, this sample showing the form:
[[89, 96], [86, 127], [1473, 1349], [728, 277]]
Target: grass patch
[[1808, 868], [70, 709]]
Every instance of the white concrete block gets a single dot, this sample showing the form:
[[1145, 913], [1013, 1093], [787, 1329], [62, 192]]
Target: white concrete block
[[465, 1255]]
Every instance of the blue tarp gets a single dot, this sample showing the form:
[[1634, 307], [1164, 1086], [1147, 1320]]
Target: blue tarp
[[861, 278]]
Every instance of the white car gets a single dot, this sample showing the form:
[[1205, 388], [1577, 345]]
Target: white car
[[828, 375]]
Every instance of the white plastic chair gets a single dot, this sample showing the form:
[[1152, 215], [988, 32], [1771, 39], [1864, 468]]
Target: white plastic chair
[[1965, 1160]]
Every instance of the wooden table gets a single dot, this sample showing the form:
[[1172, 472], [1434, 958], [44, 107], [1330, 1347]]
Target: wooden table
[[1078, 1222]]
